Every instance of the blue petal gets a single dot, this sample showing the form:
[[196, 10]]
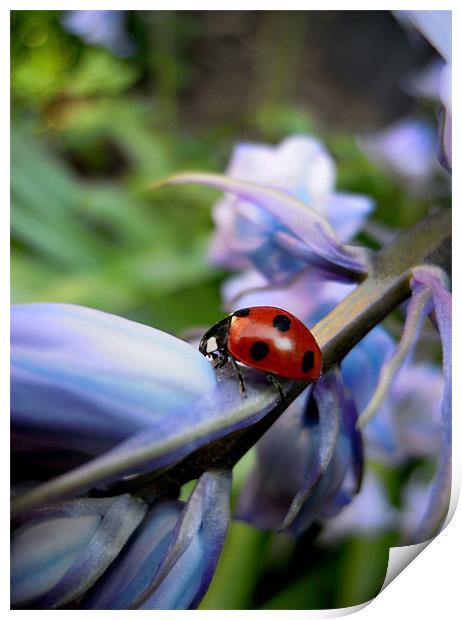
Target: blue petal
[[131, 574], [170, 561], [59, 553], [406, 148], [189, 564], [436, 26], [83, 380], [302, 466], [326, 395], [314, 240]]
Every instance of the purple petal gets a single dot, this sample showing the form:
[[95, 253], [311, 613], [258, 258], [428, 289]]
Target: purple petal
[[287, 456], [299, 165], [426, 278], [284, 455], [247, 236], [303, 223], [60, 551], [326, 395], [361, 367], [350, 417], [82, 380]]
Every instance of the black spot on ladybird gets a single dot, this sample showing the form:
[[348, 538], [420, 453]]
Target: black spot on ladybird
[[308, 361], [282, 322], [259, 350], [243, 312]]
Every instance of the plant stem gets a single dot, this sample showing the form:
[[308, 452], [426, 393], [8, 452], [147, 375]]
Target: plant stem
[[386, 286]]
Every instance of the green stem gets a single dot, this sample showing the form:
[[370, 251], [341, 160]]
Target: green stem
[[385, 288]]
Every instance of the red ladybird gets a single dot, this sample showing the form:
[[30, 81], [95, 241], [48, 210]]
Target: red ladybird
[[267, 338]]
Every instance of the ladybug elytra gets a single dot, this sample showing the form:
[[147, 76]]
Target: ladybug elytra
[[269, 339]]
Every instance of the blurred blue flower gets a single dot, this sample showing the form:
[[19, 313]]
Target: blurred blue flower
[[370, 513], [300, 166], [408, 422], [281, 213], [407, 149], [100, 28]]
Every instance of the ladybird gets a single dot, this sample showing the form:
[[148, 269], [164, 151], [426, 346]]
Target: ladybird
[[269, 339]]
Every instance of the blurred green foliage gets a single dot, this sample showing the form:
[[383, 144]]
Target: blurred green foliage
[[90, 132]]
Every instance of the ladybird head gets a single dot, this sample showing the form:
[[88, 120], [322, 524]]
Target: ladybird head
[[213, 343]]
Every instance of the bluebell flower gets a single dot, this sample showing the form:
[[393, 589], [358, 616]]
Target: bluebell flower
[[288, 451], [100, 28], [282, 214], [430, 295], [113, 554], [83, 381]]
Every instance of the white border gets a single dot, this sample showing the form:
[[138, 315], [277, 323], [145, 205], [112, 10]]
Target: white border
[[431, 588]]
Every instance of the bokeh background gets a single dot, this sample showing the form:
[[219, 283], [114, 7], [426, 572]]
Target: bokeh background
[[104, 103]]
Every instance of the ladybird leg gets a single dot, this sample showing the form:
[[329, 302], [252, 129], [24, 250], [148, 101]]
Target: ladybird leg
[[239, 375], [272, 379], [222, 360]]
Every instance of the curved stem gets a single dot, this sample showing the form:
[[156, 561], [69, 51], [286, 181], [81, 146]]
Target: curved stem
[[385, 288]]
